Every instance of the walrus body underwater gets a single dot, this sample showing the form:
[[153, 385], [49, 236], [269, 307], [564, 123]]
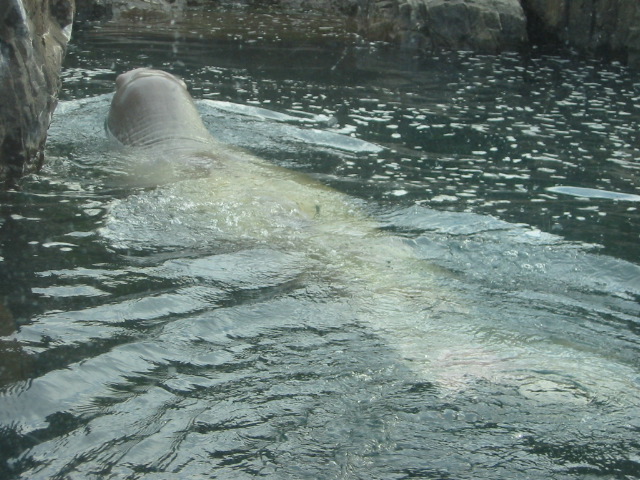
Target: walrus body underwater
[[154, 116], [242, 201], [214, 198]]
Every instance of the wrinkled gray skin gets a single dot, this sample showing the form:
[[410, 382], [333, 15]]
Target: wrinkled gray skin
[[153, 112], [152, 108]]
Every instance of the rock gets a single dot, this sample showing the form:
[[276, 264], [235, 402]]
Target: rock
[[605, 28], [481, 25], [33, 38], [93, 10], [130, 10]]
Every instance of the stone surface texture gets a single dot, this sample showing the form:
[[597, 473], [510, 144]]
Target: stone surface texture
[[603, 28], [487, 26], [33, 38]]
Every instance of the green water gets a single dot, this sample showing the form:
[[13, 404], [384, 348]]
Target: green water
[[141, 339]]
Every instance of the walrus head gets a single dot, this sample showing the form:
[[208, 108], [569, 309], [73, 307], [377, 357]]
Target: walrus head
[[154, 108]]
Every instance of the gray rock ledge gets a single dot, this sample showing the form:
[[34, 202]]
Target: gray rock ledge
[[33, 38]]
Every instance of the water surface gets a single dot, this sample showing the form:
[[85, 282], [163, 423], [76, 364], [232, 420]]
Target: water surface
[[469, 310]]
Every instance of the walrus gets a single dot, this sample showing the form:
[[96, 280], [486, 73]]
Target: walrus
[[151, 107], [154, 116], [241, 201], [251, 204], [241, 195]]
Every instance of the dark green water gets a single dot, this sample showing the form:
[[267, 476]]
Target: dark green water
[[147, 335]]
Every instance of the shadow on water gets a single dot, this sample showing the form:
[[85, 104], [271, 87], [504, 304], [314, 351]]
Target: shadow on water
[[138, 341]]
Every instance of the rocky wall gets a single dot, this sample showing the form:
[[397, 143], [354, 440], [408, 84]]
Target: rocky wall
[[488, 26], [603, 28], [33, 38]]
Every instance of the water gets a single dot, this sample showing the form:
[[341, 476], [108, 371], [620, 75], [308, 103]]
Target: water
[[465, 306]]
